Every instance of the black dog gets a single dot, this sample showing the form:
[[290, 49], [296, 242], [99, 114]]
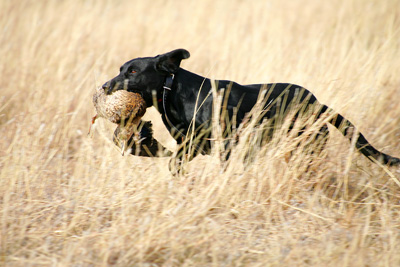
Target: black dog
[[176, 92]]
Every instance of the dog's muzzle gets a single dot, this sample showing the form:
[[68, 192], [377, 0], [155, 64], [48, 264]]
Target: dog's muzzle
[[109, 87]]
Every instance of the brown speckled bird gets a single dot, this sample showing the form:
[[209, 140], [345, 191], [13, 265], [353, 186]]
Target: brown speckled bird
[[121, 107]]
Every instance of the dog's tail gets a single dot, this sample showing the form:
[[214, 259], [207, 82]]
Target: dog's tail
[[348, 129]]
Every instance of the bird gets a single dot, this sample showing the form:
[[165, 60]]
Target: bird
[[149, 146], [120, 107]]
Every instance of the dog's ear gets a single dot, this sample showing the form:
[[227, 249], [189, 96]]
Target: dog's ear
[[169, 62]]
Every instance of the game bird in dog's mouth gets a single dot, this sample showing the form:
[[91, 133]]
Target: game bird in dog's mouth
[[123, 108]]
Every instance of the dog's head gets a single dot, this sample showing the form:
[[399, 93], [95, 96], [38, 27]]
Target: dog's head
[[143, 75]]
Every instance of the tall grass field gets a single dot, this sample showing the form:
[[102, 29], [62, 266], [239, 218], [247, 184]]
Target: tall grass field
[[69, 199]]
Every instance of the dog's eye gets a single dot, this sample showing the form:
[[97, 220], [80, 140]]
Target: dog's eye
[[133, 71]]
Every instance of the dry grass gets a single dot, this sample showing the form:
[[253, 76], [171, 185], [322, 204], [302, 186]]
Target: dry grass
[[70, 200]]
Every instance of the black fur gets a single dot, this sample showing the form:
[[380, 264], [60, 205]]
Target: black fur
[[148, 75]]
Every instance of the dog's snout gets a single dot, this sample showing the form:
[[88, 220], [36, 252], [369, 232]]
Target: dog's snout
[[109, 87]]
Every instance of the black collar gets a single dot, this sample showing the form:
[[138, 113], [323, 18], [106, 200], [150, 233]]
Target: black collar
[[167, 88], [168, 82]]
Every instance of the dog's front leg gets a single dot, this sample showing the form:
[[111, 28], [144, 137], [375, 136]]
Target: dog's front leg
[[187, 150], [180, 157]]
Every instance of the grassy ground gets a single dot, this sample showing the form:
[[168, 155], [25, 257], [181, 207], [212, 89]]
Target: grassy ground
[[70, 200]]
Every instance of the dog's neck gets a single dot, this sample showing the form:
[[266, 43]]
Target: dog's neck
[[167, 88], [168, 82], [182, 82], [163, 92]]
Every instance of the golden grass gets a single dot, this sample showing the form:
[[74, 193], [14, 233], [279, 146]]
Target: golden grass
[[70, 200]]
